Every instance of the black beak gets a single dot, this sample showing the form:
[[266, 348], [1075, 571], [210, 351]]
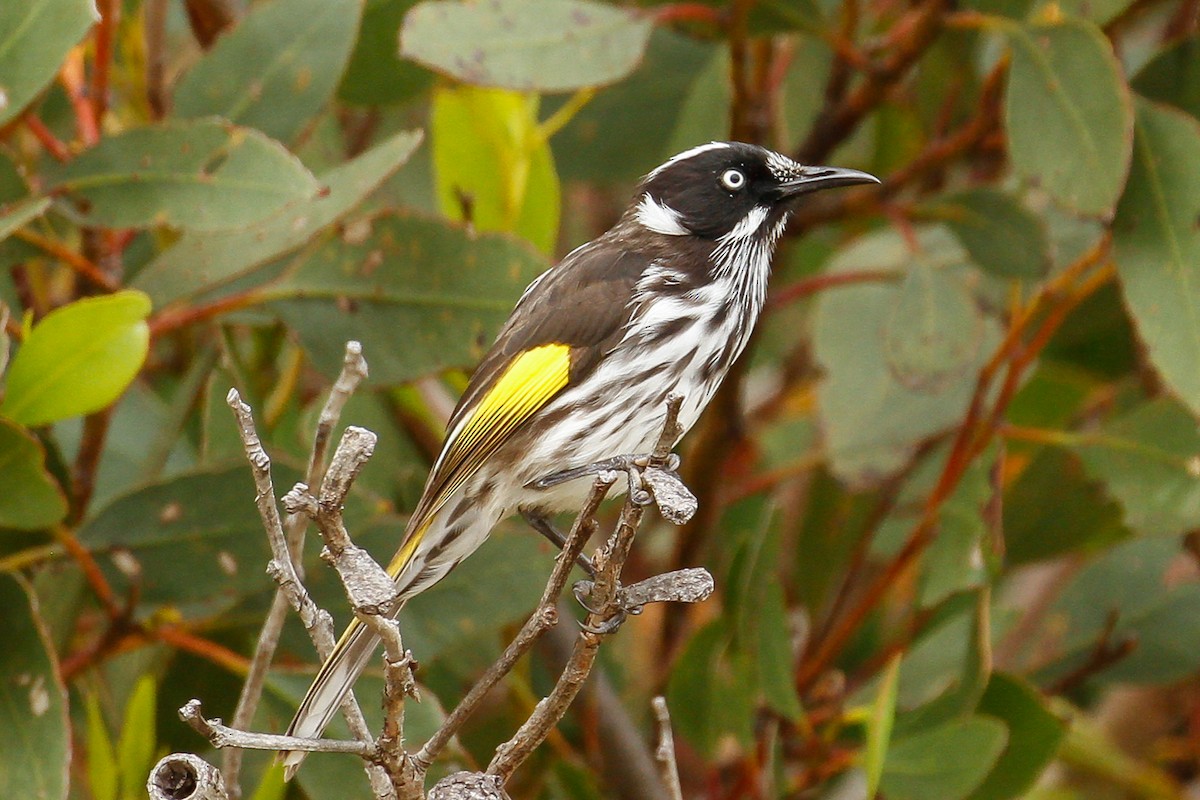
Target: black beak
[[813, 178]]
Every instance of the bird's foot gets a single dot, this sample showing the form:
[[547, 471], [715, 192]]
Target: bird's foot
[[546, 528], [632, 465], [614, 614]]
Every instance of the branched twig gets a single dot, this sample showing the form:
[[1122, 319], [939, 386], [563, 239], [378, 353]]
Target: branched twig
[[354, 371], [542, 619], [281, 568], [604, 609], [1107, 651], [183, 776], [220, 735]]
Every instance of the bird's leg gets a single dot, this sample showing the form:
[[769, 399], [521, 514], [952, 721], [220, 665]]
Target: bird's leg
[[546, 528], [631, 465]]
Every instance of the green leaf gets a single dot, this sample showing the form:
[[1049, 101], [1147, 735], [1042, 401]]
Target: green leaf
[[272, 786], [376, 74], [135, 748], [1148, 460], [103, 775], [206, 520], [201, 262], [709, 697], [1100, 12], [78, 359], [946, 763], [1053, 494], [773, 655], [276, 69], [488, 154], [35, 729], [435, 287], [999, 233], [1068, 113], [879, 727], [199, 175], [1157, 245], [1034, 734], [32, 498], [871, 418], [933, 331], [595, 145], [16, 215], [548, 46], [35, 36], [1122, 594], [1173, 76]]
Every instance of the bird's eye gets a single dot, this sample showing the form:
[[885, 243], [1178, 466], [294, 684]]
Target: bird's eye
[[733, 179]]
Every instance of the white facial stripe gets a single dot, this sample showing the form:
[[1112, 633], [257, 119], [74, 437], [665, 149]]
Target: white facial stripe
[[748, 225], [686, 154], [659, 218]]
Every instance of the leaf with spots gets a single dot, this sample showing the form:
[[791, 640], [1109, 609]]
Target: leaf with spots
[[421, 294], [277, 69], [35, 730], [193, 543], [1068, 113], [204, 261], [1156, 241], [547, 46], [200, 175]]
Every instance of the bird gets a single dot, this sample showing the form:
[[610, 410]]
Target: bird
[[663, 302]]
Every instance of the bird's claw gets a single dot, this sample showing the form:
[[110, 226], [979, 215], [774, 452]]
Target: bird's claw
[[618, 611], [631, 465]]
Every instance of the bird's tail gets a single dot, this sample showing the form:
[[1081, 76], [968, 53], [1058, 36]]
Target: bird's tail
[[337, 675]]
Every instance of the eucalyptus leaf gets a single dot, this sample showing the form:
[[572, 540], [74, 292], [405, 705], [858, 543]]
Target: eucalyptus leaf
[[1068, 113], [1149, 459], [1034, 735], [16, 215], [1173, 76], [548, 46], [492, 165], [1000, 234], [376, 75], [31, 499], [946, 763], [1157, 245], [276, 69], [420, 294], [200, 175], [871, 417], [35, 728], [205, 261], [35, 36], [78, 359]]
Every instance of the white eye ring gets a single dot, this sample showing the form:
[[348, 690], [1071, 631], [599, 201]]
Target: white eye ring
[[733, 179]]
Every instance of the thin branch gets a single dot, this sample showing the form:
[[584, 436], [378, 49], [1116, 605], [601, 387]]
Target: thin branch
[[665, 752], [316, 621], [154, 29], [51, 143], [71, 75], [76, 261], [220, 735], [354, 371], [183, 776], [542, 619], [106, 31]]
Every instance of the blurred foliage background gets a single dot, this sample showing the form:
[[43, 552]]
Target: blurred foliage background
[[951, 495]]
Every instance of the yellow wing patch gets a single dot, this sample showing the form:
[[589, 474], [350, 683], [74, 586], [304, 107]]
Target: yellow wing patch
[[527, 384]]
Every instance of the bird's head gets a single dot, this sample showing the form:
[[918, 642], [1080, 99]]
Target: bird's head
[[727, 190]]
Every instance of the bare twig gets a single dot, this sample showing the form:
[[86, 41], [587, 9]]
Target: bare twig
[[354, 371], [220, 735], [604, 611], [665, 752], [542, 619], [317, 622]]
